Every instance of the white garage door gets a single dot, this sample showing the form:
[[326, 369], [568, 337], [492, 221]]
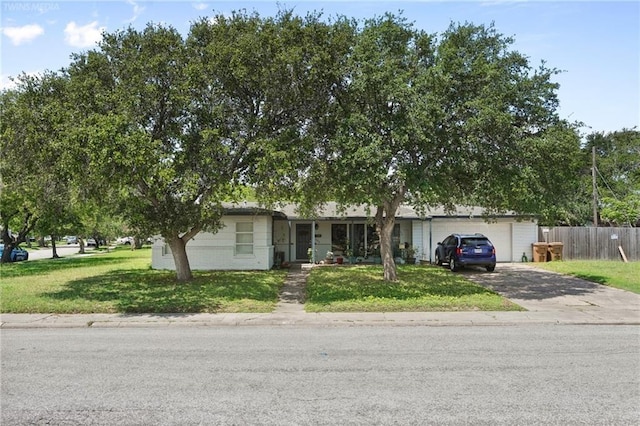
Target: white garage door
[[499, 233]]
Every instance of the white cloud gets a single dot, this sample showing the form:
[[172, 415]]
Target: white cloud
[[200, 6], [83, 36], [6, 82], [137, 10], [26, 33]]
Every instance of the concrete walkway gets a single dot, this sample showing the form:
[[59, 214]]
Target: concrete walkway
[[549, 298], [292, 295]]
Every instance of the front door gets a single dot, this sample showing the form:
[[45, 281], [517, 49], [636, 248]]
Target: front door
[[303, 240]]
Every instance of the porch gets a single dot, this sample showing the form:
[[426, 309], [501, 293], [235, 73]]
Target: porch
[[349, 241]]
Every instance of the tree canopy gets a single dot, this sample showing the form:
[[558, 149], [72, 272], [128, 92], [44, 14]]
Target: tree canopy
[[460, 119]]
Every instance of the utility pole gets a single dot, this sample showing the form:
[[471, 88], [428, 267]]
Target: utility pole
[[595, 189]]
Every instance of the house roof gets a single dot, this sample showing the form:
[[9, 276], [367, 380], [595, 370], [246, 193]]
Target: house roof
[[251, 209], [332, 211]]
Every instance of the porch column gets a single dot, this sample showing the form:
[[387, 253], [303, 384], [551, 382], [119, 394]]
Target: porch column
[[290, 245], [430, 240], [366, 243]]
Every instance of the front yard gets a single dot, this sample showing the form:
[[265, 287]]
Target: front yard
[[419, 289], [122, 281]]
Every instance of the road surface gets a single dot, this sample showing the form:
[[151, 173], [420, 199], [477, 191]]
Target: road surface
[[525, 375], [62, 250]]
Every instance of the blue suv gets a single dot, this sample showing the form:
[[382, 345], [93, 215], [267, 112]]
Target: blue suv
[[460, 250]]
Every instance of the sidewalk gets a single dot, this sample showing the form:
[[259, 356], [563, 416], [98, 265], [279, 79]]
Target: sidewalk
[[549, 298]]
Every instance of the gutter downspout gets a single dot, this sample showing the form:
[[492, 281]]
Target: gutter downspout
[[313, 242]]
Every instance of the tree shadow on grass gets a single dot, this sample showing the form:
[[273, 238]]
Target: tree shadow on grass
[[593, 278], [45, 266], [145, 291]]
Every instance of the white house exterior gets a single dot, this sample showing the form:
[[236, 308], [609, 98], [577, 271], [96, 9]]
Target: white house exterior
[[244, 243], [255, 239]]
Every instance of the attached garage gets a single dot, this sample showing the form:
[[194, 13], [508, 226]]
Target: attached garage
[[511, 238]]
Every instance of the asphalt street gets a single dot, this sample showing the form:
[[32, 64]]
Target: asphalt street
[[525, 375], [62, 250]]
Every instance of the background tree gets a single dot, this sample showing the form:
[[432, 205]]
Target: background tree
[[618, 174], [59, 216], [34, 164]]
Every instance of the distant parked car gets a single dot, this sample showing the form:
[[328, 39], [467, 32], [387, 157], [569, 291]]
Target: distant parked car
[[125, 240], [91, 242], [460, 250], [17, 254], [72, 240]]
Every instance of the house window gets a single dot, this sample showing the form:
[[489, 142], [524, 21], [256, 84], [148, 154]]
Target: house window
[[244, 238]]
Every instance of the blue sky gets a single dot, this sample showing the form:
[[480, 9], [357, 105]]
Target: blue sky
[[595, 43]]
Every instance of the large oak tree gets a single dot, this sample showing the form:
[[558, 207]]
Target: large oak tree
[[177, 126], [459, 119]]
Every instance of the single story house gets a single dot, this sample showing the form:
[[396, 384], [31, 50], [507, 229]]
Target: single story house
[[254, 238]]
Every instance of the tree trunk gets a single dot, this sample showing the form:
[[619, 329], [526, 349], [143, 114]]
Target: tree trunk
[[137, 243], [179, 251], [385, 231], [81, 244], [6, 254], [384, 227], [54, 250], [385, 220], [10, 241]]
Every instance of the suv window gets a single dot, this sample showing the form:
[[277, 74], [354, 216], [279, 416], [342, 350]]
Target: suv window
[[475, 241]]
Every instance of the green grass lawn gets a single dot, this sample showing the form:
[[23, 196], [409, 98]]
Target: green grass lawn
[[613, 273], [419, 289], [122, 281]]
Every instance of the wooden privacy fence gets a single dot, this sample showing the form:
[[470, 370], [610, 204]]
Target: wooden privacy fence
[[595, 243]]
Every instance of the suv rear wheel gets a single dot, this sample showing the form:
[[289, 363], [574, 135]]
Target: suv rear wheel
[[453, 265], [491, 268], [438, 260]]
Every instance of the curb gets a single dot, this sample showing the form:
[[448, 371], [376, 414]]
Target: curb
[[420, 319]]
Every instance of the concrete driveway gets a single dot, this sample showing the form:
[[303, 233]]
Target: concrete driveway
[[538, 290]]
